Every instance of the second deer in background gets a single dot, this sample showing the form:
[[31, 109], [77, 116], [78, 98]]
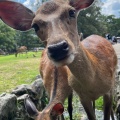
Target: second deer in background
[[21, 50]]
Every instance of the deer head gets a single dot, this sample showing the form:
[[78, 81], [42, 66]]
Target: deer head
[[55, 23], [49, 113]]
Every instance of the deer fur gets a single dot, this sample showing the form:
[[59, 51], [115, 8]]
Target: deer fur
[[53, 79], [21, 50], [91, 64]]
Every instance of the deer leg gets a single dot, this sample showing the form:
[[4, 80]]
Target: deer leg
[[89, 109], [94, 105], [112, 114], [107, 106], [70, 108], [118, 112]]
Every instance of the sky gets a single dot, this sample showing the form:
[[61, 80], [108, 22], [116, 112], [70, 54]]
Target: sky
[[28, 3], [109, 7]]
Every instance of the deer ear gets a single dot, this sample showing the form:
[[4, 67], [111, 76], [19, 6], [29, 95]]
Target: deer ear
[[16, 15], [30, 108], [57, 109], [80, 4]]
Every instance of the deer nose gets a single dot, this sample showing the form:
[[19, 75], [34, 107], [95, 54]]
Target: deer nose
[[58, 51]]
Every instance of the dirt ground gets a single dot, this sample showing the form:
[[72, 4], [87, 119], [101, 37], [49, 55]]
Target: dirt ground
[[117, 48]]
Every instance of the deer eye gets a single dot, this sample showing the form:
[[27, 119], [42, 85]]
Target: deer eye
[[72, 13], [35, 26]]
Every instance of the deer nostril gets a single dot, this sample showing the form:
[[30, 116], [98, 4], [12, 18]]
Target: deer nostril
[[65, 46], [59, 50]]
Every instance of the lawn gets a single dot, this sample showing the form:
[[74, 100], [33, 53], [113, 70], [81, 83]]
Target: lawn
[[15, 71]]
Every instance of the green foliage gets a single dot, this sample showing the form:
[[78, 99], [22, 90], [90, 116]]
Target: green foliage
[[28, 39], [7, 34], [118, 33], [113, 25], [90, 22], [99, 103], [10, 39]]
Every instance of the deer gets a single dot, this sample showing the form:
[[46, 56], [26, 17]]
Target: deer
[[2, 52], [91, 63], [21, 49], [53, 79]]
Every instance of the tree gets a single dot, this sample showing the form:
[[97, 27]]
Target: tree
[[10, 39], [28, 39], [90, 21], [118, 33], [7, 35], [113, 25]]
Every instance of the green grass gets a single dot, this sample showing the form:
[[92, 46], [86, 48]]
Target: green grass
[[99, 103], [16, 71]]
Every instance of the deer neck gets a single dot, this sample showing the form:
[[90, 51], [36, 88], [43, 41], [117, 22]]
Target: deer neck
[[60, 91], [82, 66]]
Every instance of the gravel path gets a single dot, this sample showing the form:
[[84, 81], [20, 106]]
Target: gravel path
[[117, 48]]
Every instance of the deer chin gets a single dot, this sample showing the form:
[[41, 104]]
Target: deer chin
[[66, 61]]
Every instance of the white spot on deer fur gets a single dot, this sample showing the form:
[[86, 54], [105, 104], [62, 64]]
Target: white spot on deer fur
[[66, 61]]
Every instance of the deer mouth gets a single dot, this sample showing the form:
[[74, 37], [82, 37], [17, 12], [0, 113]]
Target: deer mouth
[[58, 57], [63, 60]]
